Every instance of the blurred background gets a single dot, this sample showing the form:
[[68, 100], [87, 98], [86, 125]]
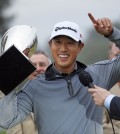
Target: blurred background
[[44, 14]]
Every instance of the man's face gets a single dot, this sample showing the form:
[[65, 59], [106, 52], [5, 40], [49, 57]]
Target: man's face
[[40, 62], [64, 51]]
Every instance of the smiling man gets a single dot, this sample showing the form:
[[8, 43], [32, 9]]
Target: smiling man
[[65, 44], [59, 101]]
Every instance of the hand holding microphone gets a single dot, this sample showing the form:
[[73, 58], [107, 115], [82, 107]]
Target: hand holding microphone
[[99, 94]]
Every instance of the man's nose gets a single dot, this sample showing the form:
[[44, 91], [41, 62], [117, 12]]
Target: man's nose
[[38, 67], [63, 47]]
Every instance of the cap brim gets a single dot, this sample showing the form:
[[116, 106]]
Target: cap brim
[[69, 35]]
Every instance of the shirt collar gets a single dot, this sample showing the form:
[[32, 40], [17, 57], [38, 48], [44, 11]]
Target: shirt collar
[[56, 71]]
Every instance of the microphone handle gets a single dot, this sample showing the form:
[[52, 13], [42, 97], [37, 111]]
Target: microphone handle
[[90, 85]]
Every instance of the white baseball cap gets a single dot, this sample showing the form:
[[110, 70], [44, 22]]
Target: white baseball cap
[[67, 28]]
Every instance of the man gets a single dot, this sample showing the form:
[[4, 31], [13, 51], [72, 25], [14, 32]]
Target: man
[[61, 104], [107, 126], [41, 61]]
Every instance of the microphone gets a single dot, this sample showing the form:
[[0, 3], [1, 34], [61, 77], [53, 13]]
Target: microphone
[[86, 79]]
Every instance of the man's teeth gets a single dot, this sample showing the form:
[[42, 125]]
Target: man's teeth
[[63, 56]]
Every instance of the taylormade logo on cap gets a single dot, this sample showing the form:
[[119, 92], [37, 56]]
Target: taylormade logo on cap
[[67, 28]]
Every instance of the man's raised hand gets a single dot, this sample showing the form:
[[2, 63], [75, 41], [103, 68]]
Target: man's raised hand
[[102, 25]]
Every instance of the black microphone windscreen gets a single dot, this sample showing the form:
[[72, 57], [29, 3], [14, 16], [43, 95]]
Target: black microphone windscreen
[[85, 78]]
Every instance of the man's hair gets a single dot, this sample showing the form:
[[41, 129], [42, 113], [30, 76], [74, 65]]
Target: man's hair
[[44, 53]]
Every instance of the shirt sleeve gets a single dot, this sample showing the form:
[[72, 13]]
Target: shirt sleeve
[[115, 37], [108, 101], [14, 108]]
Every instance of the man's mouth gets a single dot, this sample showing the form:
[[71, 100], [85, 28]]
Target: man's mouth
[[63, 55]]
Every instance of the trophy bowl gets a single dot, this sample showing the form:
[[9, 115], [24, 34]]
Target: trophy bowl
[[24, 37]]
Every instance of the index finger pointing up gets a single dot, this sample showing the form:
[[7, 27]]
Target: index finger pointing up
[[92, 18]]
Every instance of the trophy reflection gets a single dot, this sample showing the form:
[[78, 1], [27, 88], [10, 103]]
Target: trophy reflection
[[24, 37]]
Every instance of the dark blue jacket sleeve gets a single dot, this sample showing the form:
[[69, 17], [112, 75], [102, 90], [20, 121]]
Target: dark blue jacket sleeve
[[115, 108]]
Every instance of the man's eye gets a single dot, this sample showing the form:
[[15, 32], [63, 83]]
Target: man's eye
[[71, 43], [57, 41], [42, 64]]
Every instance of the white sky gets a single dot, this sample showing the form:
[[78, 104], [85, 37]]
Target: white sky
[[43, 14]]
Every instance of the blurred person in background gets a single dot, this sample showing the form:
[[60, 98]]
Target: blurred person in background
[[41, 60]]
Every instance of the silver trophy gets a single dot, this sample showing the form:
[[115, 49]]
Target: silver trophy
[[23, 37], [15, 68]]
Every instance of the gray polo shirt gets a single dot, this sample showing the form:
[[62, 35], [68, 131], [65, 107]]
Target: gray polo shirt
[[57, 111]]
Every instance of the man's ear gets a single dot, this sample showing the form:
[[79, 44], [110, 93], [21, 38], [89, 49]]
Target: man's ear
[[81, 45], [50, 42]]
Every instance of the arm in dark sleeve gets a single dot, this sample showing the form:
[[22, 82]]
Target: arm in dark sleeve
[[115, 108]]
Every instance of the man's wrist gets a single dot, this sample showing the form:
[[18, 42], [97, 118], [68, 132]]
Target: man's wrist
[[110, 34]]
